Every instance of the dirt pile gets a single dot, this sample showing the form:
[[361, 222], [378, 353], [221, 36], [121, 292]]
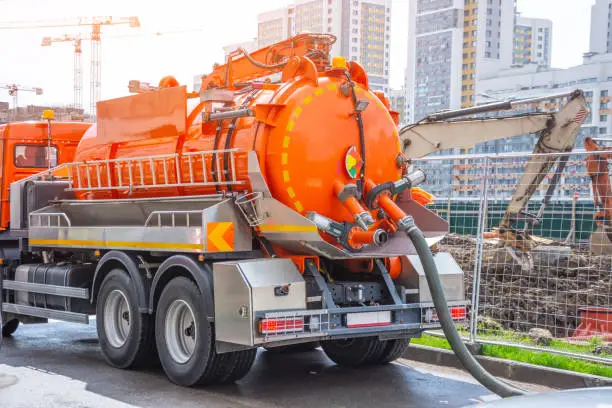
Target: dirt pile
[[544, 289]]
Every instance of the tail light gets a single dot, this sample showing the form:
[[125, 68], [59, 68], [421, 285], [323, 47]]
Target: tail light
[[281, 325], [458, 313]]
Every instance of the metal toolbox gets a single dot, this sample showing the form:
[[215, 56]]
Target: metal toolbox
[[451, 275], [242, 289]]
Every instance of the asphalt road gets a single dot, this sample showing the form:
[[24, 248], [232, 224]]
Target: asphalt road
[[60, 365]]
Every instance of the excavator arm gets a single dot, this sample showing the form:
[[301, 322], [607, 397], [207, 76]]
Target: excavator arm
[[598, 169], [556, 131]]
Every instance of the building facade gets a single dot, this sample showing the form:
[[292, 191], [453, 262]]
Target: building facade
[[532, 41], [601, 27], [399, 103], [453, 43], [362, 28], [594, 77]]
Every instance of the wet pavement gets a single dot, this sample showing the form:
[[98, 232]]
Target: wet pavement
[[60, 365]]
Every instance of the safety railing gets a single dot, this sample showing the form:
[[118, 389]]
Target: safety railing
[[49, 220], [192, 169], [553, 292], [174, 219]]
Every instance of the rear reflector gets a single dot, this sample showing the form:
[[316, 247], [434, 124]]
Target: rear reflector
[[458, 313], [368, 319], [281, 325]]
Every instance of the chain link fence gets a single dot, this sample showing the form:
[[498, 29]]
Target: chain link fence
[[553, 290]]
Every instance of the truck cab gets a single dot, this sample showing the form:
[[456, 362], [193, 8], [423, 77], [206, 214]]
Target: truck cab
[[25, 150]]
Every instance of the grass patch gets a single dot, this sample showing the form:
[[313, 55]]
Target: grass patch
[[541, 358]]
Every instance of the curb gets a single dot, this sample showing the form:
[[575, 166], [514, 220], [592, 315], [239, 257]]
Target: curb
[[510, 370]]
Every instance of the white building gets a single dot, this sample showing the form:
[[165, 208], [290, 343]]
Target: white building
[[362, 28], [601, 27], [249, 46], [594, 77], [453, 43], [399, 103], [532, 41]]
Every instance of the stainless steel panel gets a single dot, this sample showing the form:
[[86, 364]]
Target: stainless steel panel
[[45, 313], [242, 289], [72, 292], [451, 275]]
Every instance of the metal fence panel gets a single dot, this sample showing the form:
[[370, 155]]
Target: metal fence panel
[[562, 285]]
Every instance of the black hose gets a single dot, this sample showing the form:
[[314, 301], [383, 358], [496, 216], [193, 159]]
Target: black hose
[[448, 326], [261, 64]]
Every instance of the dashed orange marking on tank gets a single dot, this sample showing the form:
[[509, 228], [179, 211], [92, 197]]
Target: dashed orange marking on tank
[[286, 140]]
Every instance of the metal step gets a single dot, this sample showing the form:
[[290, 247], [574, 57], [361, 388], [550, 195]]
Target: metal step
[[45, 313], [67, 291]]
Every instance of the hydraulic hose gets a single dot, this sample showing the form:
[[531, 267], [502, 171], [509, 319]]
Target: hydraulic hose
[[439, 299]]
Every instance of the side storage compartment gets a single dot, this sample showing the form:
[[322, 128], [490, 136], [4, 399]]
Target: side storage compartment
[[244, 290], [68, 275]]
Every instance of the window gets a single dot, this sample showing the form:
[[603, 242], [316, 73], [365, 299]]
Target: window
[[354, 49], [603, 118], [604, 92], [37, 156], [603, 130]]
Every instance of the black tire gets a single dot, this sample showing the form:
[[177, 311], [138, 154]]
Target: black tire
[[352, 352], [393, 350], [10, 327], [294, 348], [137, 348], [242, 363], [198, 364]]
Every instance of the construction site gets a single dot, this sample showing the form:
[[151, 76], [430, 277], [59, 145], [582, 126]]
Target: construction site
[[279, 215]]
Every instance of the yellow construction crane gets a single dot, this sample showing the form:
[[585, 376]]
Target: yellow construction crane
[[96, 24], [14, 89]]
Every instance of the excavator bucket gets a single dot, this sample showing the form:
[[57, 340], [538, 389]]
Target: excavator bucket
[[601, 240], [599, 171]]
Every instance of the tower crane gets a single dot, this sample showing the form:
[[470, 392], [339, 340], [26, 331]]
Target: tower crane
[[77, 41], [14, 89], [96, 24]]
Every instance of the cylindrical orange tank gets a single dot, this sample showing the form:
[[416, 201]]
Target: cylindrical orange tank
[[302, 144]]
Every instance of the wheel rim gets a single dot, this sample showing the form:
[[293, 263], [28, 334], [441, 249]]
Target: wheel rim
[[181, 331], [117, 318]]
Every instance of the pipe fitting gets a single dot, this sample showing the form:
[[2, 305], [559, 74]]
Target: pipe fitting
[[364, 220]]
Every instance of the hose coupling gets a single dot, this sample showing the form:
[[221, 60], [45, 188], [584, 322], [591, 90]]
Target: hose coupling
[[364, 220], [406, 224]]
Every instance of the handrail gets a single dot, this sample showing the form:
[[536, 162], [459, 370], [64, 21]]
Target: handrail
[[172, 174], [59, 216], [173, 215]]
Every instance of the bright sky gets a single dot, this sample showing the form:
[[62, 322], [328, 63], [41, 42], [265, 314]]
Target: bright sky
[[149, 57]]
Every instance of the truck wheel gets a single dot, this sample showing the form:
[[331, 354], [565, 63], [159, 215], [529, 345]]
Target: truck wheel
[[352, 352], [393, 350], [294, 348], [242, 363], [185, 339], [125, 334], [10, 327]]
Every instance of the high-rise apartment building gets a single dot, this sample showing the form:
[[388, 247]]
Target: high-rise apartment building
[[399, 103], [362, 28], [452, 43], [601, 27], [532, 41]]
